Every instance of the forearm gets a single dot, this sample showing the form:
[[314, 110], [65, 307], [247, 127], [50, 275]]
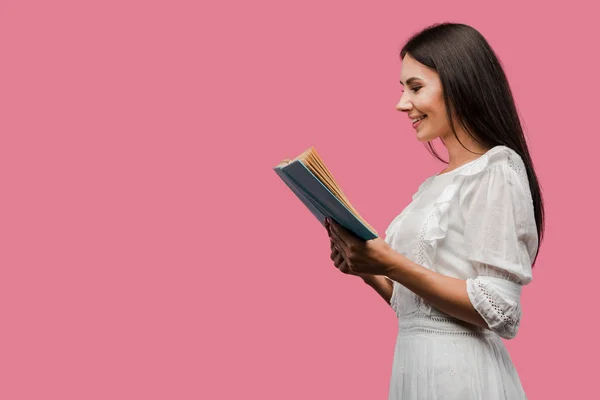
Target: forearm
[[381, 285], [445, 293]]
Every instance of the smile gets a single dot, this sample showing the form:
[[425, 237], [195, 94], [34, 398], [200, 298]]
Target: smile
[[418, 122]]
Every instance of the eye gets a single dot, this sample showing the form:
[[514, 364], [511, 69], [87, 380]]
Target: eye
[[416, 88]]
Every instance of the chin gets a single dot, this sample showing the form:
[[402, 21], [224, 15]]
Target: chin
[[425, 137]]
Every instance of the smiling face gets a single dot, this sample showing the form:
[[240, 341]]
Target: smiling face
[[423, 95]]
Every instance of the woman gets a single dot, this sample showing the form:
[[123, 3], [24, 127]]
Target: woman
[[453, 263]]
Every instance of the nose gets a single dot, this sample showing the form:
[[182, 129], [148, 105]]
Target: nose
[[403, 104]]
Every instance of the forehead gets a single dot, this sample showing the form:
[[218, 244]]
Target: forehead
[[412, 68]]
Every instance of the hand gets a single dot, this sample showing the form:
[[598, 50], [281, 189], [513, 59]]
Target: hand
[[340, 263], [353, 255]]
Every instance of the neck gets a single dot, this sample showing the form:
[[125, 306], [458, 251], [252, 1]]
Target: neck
[[457, 154]]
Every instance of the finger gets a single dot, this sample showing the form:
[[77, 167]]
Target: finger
[[344, 267], [336, 256], [335, 243], [339, 242], [342, 264], [336, 261], [331, 237], [333, 246], [342, 235], [335, 252]]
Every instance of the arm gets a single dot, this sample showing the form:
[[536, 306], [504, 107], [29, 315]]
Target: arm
[[443, 292], [381, 285]]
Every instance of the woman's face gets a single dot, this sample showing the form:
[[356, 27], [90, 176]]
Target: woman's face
[[422, 95]]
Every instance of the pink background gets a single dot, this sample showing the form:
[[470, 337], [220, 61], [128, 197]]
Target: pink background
[[147, 249]]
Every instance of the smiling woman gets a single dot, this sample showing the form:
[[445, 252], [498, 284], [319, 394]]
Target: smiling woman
[[455, 260]]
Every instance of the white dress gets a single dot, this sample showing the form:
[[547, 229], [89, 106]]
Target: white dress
[[476, 223]]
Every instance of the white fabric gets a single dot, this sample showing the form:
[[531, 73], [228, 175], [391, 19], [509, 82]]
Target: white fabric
[[475, 223]]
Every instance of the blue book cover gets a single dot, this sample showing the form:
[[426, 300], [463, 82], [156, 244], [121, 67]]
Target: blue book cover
[[321, 202]]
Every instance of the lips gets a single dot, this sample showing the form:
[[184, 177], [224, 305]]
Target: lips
[[419, 122]]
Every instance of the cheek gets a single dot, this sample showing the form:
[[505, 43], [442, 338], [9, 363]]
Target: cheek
[[426, 105], [433, 102]]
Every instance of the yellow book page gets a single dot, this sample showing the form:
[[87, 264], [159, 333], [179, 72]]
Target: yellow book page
[[315, 164]]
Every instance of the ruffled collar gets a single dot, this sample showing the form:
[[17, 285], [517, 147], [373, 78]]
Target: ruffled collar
[[473, 167]]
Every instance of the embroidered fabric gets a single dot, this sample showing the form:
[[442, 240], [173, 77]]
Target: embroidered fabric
[[438, 325], [485, 244], [474, 223], [497, 301]]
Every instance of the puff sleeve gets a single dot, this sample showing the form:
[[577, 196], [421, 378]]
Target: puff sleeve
[[500, 238]]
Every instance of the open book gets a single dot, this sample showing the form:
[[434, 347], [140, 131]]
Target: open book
[[310, 180]]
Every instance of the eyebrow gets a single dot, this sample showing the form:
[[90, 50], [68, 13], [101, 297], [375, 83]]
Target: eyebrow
[[409, 80]]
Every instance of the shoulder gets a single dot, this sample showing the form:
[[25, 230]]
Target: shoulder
[[499, 166], [500, 172], [498, 156]]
